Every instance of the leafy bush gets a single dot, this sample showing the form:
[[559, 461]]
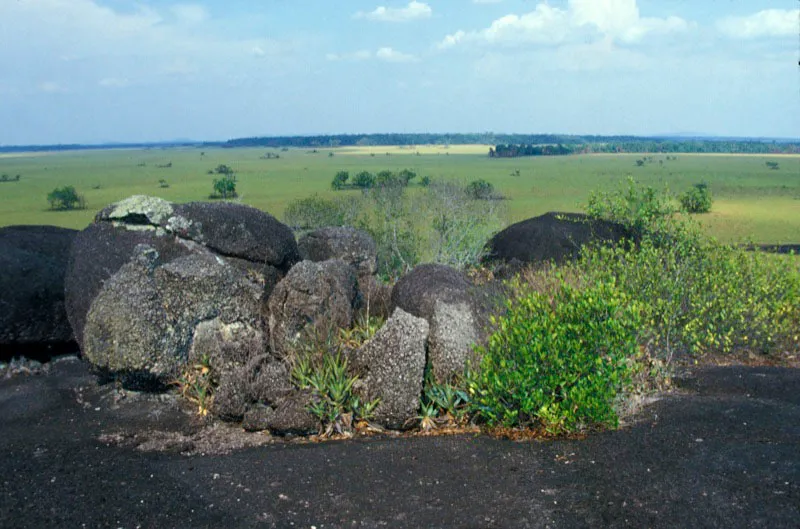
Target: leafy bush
[[314, 212], [697, 199], [364, 180], [480, 190], [340, 180], [556, 361], [224, 187], [65, 198]]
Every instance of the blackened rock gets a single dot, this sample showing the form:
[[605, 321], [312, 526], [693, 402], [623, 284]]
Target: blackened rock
[[354, 247], [418, 291]]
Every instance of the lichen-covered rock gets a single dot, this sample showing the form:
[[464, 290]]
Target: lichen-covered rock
[[391, 366], [552, 236], [142, 323], [418, 291], [313, 297], [252, 240], [453, 336], [354, 247], [33, 260]]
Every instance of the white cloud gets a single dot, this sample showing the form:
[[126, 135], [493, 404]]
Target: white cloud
[[390, 55], [385, 54], [767, 23], [189, 13], [52, 87], [113, 82], [618, 20], [413, 11], [486, 1]]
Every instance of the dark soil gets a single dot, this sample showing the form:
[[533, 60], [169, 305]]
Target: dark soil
[[721, 451]]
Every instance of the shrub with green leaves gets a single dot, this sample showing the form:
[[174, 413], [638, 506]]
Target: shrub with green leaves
[[557, 361], [65, 198], [697, 199]]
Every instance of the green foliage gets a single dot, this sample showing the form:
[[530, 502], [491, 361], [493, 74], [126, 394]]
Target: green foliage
[[364, 180], [197, 383], [642, 209], [697, 199], [224, 187], [163, 184], [334, 401], [773, 165], [340, 180], [6, 178], [425, 181], [314, 212], [442, 404], [65, 198], [364, 329], [556, 361], [480, 190]]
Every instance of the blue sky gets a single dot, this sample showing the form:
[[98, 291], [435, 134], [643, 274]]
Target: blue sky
[[87, 71]]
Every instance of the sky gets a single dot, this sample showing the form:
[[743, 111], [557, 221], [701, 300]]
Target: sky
[[95, 71]]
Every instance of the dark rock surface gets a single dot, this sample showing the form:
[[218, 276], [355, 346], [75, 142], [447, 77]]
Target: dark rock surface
[[352, 246], [418, 291], [33, 261], [313, 297], [722, 452], [552, 236]]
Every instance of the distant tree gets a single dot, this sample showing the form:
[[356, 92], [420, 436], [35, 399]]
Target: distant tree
[[425, 181], [697, 199], [364, 180], [65, 198], [772, 165], [407, 175], [330, 154], [639, 163], [163, 183], [223, 169], [225, 187], [480, 190], [340, 180], [16, 178]]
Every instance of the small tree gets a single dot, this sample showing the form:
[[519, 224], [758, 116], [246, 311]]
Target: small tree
[[480, 190], [225, 187], [65, 198], [364, 180], [697, 199], [340, 180]]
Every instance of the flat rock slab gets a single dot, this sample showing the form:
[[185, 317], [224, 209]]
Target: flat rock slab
[[723, 451]]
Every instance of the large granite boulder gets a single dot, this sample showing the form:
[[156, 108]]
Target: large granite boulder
[[253, 241], [142, 324], [391, 366], [352, 246], [454, 334], [418, 291], [33, 260], [553, 236], [312, 298]]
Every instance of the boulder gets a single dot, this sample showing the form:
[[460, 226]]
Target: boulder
[[289, 415], [391, 366], [553, 236], [418, 291], [352, 246], [33, 260], [142, 323], [453, 336], [255, 242], [312, 298]]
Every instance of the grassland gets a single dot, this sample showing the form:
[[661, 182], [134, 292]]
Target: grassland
[[751, 201]]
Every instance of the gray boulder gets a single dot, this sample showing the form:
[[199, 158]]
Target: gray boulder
[[453, 336], [392, 367], [33, 260], [352, 246], [141, 325], [289, 415], [312, 298]]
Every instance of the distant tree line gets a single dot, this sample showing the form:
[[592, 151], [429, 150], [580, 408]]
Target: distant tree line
[[512, 151], [646, 146]]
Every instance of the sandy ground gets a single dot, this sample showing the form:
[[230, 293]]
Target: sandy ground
[[722, 451]]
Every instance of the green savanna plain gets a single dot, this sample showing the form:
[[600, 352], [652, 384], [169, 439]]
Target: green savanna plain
[[751, 201]]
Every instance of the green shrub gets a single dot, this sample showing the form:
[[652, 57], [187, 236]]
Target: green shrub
[[480, 190], [697, 199], [364, 180], [65, 198], [340, 180], [556, 361], [314, 212]]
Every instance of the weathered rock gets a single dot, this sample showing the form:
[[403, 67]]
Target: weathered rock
[[392, 366], [98, 252], [261, 381], [33, 260], [375, 297], [288, 416], [313, 297], [142, 323], [352, 246], [252, 240], [453, 335], [418, 291], [552, 236]]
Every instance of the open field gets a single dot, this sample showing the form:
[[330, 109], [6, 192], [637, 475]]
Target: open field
[[750, 200]]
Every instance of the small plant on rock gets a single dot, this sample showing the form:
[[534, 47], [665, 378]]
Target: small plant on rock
[[197, 383]]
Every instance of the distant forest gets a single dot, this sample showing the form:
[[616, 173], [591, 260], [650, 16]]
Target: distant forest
[[505, 145]]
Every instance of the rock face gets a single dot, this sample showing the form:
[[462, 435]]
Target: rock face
[[313, 297], [418, 291], [142, 323], [392, 366], [352, 246], [33, 260], [454, 333], [256, 243], [552, 236]]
